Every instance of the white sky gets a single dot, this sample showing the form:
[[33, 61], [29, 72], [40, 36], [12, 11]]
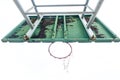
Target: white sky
[[31, 61]]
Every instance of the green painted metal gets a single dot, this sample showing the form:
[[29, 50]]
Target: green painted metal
[[102, 32], [66, 28], [109, 35], [17, 34]]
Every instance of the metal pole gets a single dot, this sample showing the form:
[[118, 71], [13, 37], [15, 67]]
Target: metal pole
[[85, 8], [29, 9], [55, 27], [23, 13], [65, 5], [90, 8], [92, 18], [65, 27], [31, 31], [35, 8], [60, 13]]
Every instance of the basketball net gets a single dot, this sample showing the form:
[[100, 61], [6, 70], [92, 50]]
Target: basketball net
[[61, 51]]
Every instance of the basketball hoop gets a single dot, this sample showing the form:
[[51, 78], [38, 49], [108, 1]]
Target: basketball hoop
[[61, 45]]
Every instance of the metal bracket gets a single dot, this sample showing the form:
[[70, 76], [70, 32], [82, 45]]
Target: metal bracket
[[34, 25], [85, 8], [23, 13], [95, 13]]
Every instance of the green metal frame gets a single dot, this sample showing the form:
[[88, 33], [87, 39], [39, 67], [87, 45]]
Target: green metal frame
[[64, 28], [109, 36]]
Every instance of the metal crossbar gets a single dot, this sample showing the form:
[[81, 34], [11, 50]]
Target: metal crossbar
[[60, 5]]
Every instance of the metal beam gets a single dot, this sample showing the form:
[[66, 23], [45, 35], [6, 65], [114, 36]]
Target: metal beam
[[90, 8], [87, 1], [60, 5], [65, 28], [31, 31], [23, 13], [55, 27], [89, 31], [29, 9], [92, 18], [35, 8], [60, 12]]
